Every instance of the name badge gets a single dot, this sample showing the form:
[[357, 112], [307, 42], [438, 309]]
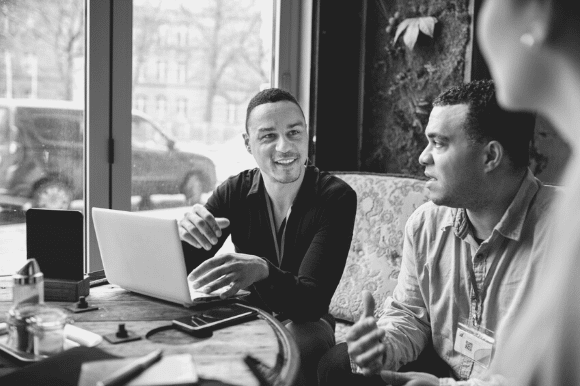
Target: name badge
[[476, 344]]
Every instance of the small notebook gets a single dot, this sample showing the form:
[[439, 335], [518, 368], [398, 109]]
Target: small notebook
[[170, 370]]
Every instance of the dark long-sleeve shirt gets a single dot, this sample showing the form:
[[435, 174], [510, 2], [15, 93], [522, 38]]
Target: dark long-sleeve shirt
[[317, 240]]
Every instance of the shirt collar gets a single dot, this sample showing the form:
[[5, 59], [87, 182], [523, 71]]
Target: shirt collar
[[512, 221], [309, 187]]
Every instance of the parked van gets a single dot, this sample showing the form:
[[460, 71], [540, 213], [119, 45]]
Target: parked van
[[41, 157]]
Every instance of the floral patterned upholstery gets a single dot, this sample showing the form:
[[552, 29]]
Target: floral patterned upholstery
[[385, 202]]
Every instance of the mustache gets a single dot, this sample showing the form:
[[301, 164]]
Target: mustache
[[286, 155]]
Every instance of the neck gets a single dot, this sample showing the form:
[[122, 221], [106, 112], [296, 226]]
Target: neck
[[487, 214], [282, 195]]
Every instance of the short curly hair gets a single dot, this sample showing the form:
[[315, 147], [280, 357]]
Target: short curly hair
[[487, 121], [270, 95]]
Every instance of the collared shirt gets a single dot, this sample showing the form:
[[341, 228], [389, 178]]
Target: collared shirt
[[434, 291], [316, 241]]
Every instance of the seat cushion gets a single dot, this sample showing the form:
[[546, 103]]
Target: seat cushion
[[384, 203]]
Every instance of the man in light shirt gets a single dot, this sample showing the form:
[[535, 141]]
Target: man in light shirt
[[470, 255]]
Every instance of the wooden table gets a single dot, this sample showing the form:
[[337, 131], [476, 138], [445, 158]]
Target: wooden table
[[219, 357]]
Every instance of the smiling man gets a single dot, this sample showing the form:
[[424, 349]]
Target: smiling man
[[291, 225], [470, 255]]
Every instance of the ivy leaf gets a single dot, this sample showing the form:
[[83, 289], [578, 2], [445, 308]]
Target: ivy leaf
[[412, 27], [411, 34], [401, 28], [427, 25]]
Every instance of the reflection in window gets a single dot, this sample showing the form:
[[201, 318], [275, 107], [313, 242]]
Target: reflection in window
[[144, 134], [182, 107], [208, 59], [182, 35], [161, 71], [181, 72], [4, 128], [42, 64], [59, 129], [161, 106], [141, 103]]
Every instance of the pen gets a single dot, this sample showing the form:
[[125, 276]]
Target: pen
[[128, 372]]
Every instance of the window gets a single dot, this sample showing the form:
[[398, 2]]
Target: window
[[141, 103], [182, 36], [220, 51], [182, 107], [114, 81], [161, 71], [181, 72], [41, 116], [161, 106]]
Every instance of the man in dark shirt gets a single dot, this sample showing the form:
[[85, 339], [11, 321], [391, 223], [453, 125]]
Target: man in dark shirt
[[290, 223]]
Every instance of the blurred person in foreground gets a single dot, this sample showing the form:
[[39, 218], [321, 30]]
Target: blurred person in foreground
[[291, 225], [470, 255], [533, 50]]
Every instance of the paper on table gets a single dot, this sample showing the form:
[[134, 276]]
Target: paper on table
[[170, 370]]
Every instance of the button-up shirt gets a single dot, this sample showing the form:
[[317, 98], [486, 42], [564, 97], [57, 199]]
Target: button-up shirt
[[434, 290], [317, 238]]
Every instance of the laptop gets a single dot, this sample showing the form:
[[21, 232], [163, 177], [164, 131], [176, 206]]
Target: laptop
[[143, 254]]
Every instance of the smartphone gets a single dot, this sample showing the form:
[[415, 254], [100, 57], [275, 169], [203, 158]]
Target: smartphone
[[215, 317]]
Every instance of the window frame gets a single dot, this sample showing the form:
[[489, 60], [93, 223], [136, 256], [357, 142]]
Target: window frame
[[108, 66]]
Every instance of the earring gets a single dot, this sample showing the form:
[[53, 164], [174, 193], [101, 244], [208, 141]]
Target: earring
[[528, 40]]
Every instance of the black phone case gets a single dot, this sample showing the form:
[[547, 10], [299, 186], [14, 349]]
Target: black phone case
[[185, 325]]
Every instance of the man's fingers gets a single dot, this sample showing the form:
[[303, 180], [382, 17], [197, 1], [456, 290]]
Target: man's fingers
[[188, 238], [361, 328], [216, 284], [394, 378], [193, 225], [207, 222], [409, 379], [222, 222], [201, 279], [208, 265], [372, 357], [368, 304], [366, 342], [234, 287]]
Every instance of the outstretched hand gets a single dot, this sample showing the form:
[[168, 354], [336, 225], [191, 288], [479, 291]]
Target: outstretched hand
[[364, 339], [394, 378], [238, 270], [200, 228]]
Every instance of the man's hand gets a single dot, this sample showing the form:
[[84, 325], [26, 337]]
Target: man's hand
[[364, 339], [200, 228], [409, 379], [235, 269]]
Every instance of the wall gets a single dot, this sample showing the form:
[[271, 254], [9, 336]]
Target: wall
[[371, 98], [402, 82]]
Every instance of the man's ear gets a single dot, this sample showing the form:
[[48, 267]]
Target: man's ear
[[247, 142], [494, 154]]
